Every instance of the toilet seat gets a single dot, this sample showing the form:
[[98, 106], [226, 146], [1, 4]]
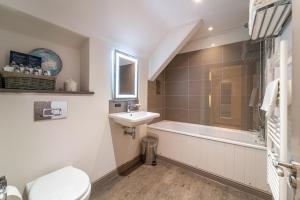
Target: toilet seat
[[68, 183]]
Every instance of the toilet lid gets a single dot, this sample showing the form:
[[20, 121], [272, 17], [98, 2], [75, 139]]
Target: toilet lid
[[68, 183]]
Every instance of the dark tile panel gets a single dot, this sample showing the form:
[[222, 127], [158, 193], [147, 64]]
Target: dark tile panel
[[202, 72], [199, 73], [198, 102], [177, 74], [177, 88], [195, 58], [232, 63], [155, 101], [206, 56], [233, 52], [179, 115], [187, 85], [201, 88], [181, 60], [151, 88], [177, 102], [199, 116]]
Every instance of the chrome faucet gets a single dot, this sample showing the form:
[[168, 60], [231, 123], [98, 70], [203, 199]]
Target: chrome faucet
[[130, 106]]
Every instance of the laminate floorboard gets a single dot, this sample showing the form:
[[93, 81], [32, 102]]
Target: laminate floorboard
[[167, 182]]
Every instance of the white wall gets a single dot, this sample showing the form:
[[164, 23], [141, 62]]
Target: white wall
[[86, 139], [228, 37], [170, 46], [18, 42]]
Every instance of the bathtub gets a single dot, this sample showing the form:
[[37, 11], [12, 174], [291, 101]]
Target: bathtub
[[231, 154]]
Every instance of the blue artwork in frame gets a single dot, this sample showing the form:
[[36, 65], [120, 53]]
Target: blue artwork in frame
[[50, 60]]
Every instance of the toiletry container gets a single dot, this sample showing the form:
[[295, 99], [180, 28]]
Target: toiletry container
[[68, 183]]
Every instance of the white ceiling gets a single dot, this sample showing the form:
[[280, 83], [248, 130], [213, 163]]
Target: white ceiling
[[138, 24]]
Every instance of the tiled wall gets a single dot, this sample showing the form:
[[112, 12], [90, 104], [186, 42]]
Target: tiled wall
[[156, 96], [193, 86]]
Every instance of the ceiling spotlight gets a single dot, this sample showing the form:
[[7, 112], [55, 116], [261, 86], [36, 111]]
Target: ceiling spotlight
[[211, 28], [198, 1], [213, 45]]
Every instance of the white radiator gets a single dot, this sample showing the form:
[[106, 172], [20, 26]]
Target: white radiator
[[273, 138], [277, 131]]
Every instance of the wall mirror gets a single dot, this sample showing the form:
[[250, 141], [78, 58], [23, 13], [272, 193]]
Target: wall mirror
[[125, 76]]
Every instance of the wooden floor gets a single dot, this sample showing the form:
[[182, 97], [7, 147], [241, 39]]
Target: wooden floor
[[166, 182]]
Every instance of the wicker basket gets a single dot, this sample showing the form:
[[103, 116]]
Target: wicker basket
[[12, 80]]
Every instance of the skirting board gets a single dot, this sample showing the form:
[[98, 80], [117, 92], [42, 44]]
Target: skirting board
[[130, 166], [222, 180], [122, 170]]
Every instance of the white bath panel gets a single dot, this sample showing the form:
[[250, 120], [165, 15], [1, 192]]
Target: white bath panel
[[163, 145], [199, 154], [212, 156], [178, 152], [244, 164], [219, 159], [229, 160], [203, 155], [250, 166], [261, 168], [239, 164], [183, 155], [192, 153]]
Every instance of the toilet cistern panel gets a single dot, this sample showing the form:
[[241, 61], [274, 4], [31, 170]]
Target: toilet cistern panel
[[48, 110]]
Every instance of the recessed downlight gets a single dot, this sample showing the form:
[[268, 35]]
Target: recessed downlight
[[198, 1], [213, 45], [210, 28]]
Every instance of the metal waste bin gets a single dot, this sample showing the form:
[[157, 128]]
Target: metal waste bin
[[149, 150]]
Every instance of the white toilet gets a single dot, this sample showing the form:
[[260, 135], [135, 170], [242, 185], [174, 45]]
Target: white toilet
[[68, 183]]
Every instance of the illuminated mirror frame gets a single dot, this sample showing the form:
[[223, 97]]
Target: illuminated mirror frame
[[117, 95]]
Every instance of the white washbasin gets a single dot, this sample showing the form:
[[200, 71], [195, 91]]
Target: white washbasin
[[133, 119]]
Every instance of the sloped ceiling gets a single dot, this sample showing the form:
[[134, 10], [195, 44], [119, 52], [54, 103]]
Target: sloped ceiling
[[170, 46], [137, 24]]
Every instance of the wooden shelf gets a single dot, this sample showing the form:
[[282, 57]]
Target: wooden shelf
[[55, 92]]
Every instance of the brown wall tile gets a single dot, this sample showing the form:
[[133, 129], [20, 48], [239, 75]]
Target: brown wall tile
[[151, 88], [155, 101], [177, 88], [177, 115], [199, 116], [181, 60], [198, 102], [186, 85], [206, 56], [202, 88], [199, 73], [177, 74], [195, 58], [233, 52], [211, 56], [177, 102], [194, 116]]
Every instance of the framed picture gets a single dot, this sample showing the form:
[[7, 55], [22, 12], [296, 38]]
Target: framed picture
[[18, 58], [25, 59], [34, 61]]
